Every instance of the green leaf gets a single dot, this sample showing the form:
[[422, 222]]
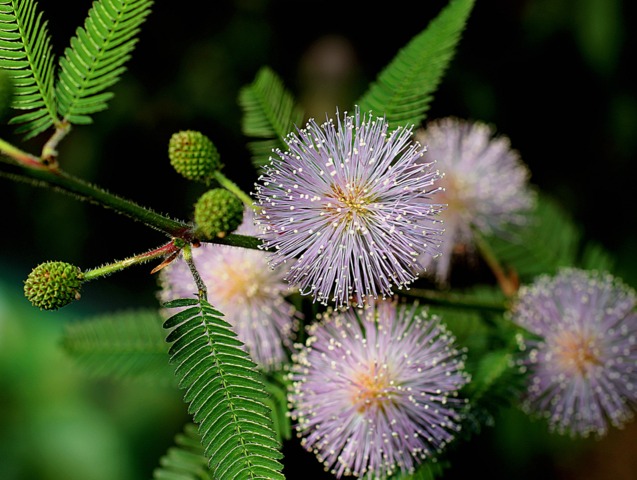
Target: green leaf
[[549, 241], [128, 345], [269, 114], [404, 88], [26, 54], [225, 394], [186, 460], [95, 59]]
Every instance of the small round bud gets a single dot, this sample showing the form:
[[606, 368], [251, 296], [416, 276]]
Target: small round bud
[[52, 285], [193, 155], [217, 213]]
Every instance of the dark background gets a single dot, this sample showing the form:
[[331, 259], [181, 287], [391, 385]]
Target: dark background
[[555, 76]]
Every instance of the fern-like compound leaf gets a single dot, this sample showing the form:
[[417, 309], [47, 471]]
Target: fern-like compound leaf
[[95, 59], [127, 345], [185, 460], [225, 393], [25, 52], [269, 114], [404, 89]]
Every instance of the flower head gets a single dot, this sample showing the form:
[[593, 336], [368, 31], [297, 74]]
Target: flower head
[[351, 203], [375, 390], [485, 184], [583, 365], [52, 285], [246, 290]]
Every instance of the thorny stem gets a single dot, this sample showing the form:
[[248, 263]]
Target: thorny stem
[[170, 249], [33, 170]]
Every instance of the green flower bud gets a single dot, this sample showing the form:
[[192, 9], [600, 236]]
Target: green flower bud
[[52, 285], [217, 213], [193, 155]]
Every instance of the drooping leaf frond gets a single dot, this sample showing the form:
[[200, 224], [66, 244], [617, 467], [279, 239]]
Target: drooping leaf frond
[[96, 57], [269, 114], [405, 87], [225, 393], [127, 345], [25, 52], [185, 460]]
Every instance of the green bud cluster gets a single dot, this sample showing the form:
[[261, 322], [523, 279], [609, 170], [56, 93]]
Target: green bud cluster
[[52, 285], [217, 213], [193, 155]]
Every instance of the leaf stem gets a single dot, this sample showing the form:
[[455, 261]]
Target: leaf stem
[[168, 249], [23, 158], [508, 283], [234, 188], [49, 151], [201, 286]]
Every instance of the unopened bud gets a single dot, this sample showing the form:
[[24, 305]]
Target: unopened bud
[[193, 155], [52, 285], [217, 213]]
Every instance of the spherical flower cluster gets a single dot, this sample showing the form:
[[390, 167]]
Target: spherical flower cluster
[[53, 285], [351, 204], [246, 290], [217, 213], [375, 390], [193, 155], [583, 363], [485, 185]]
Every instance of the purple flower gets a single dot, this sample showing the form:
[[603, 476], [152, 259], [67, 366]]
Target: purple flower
[[374, 390], [583, 366], [485, 185], [246, 290], [351, 203]]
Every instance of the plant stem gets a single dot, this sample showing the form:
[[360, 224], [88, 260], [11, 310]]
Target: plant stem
[[62, 181], [508, 282], [170, 248], [23, 158], [234, 188], [49, 151], [201, 286], [34, 171]]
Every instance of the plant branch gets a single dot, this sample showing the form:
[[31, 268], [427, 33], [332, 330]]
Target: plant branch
[[508, 282], [23, 158], [34, 171], [170, 249]]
